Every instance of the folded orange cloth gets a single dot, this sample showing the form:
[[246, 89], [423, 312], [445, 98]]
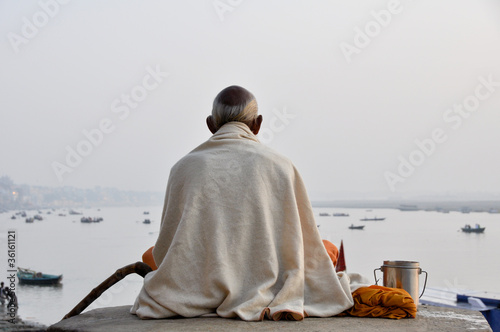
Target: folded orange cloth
[[378, 301]]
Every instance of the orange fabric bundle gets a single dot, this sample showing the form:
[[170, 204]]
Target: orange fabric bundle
[[378, 301]]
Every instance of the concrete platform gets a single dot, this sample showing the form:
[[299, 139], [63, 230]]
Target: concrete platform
[[429, 318]]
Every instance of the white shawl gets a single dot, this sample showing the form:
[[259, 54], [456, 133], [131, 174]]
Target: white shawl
[[238, 238]]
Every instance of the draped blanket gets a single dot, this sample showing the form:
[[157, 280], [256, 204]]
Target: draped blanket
[[238, 238]]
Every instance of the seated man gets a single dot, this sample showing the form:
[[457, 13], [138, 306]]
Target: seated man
[[238, 236]]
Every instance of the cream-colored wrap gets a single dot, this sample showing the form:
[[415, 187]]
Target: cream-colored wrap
[[238, 238]]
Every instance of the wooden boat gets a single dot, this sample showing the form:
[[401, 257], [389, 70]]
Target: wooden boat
[[88, 220], [30, 277], [372, 219], [469, 229], [356, 227]]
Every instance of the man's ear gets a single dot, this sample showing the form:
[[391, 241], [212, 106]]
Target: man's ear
[[256, 125], [211, 124]]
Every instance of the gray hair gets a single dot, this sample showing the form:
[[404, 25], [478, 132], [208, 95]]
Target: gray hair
[[234, 103]]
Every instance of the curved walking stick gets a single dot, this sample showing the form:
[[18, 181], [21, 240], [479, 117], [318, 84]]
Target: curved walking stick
[[139, 267]]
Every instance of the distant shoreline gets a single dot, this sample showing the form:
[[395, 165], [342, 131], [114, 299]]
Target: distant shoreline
[[464, 206], [490, 206]]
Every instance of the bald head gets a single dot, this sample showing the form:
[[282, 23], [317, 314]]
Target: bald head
[[234, 103], [234, 96]]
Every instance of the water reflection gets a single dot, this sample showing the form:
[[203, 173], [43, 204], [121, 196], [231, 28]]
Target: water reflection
[[38, 296]]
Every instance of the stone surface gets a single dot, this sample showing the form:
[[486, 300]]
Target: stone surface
[[16, 324], [429, 318]]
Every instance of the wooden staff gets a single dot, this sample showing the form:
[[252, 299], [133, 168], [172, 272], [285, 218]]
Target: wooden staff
[[139, 267]]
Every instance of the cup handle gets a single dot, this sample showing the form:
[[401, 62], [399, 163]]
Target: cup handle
[[425, 282], [375, 275]]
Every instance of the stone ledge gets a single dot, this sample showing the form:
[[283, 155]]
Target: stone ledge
[[7, 324], [429, 318]]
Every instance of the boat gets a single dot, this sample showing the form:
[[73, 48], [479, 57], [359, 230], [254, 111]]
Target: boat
[[38, 217], [477, 229], [408, 207], [146, 221], [372, 219], [146, 212], [30, 277], [73, 212], [30, 220], [88, 220], [341, 214], [323, 214], [356, 227]]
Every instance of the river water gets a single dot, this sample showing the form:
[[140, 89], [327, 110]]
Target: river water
[[86, 254]]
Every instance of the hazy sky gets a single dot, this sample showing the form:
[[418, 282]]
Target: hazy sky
[[387, 97]]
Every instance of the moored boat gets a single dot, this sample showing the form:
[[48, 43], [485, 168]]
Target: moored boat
[[356, 227], [88, 220], [372, 219], [30, 277]]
